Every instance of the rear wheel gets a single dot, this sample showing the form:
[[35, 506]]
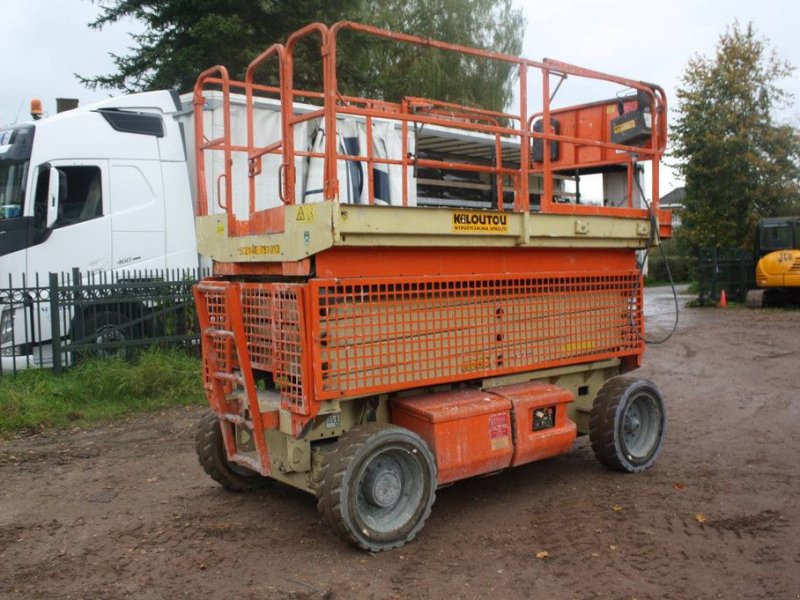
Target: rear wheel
[[101, 336], [377, 487], [210, 450], [627, 424]]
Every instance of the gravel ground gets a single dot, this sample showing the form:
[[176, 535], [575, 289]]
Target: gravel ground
[[125, 511]]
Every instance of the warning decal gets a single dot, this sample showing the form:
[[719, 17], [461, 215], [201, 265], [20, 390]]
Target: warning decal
[[499, 430], [479, 222], [624, 126], [305, 213]]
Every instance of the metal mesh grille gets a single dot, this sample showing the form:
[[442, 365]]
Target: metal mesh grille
[[257, 318], [220, 357], [287, 346], [383, 334], [273, 326]]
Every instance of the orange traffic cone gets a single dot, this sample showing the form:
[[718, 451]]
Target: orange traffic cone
[[723, 301]]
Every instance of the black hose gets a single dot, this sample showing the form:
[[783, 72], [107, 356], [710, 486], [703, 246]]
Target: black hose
[[653, 234]]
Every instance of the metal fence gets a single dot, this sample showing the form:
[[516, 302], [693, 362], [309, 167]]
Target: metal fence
[[731, 270], [74, 316]]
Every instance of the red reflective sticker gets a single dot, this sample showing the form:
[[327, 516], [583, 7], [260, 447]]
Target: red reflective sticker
[[499, 426]]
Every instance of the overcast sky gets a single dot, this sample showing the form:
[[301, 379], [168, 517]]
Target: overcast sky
[[44, 42], [653, 41]]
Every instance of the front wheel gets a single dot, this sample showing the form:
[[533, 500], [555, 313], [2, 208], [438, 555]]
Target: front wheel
[[627, 424], [377, 487], [210, 450]]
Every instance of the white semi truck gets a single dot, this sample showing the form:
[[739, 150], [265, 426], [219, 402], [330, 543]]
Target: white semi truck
[[102, 188]]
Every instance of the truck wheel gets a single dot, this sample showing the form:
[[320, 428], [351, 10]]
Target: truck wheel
[[627, 424], [103, 327], [211, 453], [376, 489]]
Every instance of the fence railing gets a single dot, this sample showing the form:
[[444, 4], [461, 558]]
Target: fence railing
[[69, 317], [729, 270]]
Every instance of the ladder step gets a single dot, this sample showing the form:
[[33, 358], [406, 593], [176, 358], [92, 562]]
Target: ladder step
[[229, 377], [237, 420], [214, 332], [269, 420], [248, 462]]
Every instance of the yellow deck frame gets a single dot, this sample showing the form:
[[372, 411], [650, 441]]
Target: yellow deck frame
[[312, 228]]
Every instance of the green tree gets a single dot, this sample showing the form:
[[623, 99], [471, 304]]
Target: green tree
[[392, 71], [183, 37], [738, 163]]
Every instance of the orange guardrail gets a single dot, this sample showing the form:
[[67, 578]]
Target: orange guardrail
[[584, 138]]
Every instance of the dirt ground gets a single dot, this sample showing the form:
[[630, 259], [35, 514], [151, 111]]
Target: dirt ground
[[125, 511]]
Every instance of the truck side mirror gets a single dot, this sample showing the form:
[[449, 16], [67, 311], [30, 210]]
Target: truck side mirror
[[57, 190]]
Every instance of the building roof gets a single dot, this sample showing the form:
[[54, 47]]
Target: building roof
[[674, 198]]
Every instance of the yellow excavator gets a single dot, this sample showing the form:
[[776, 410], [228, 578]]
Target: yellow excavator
[[778, 267]]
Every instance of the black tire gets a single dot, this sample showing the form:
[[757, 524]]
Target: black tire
[[377, 487], [628, 424], [211, 454], [103, 327]]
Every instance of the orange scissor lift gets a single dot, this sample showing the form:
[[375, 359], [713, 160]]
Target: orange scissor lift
[[369, 352]]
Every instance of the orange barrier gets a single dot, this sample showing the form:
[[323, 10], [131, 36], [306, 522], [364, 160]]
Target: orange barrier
[[583, 136]]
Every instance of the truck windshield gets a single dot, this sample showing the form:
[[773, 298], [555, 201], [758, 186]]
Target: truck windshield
[[12, 188], [776, 237]]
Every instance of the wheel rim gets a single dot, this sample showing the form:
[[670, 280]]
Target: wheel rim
[[389, 491], [641, 426], [110, 334]]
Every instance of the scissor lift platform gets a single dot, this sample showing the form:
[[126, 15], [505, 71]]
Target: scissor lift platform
[[368, 351]]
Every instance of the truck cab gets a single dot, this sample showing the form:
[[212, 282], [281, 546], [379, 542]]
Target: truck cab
[[102, 188]]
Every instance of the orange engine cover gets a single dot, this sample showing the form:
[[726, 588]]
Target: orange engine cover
[[473, 432], [541, 426], [469, 431]]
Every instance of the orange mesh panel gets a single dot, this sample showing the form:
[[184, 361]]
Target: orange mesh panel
[[381, 334], [273, 324], [219, 358], [257, 318], [287, 346]]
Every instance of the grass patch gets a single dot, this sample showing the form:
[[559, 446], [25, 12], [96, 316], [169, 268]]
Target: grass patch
[[97, 390]]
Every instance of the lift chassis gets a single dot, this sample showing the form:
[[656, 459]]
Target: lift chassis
[[371, 351]]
